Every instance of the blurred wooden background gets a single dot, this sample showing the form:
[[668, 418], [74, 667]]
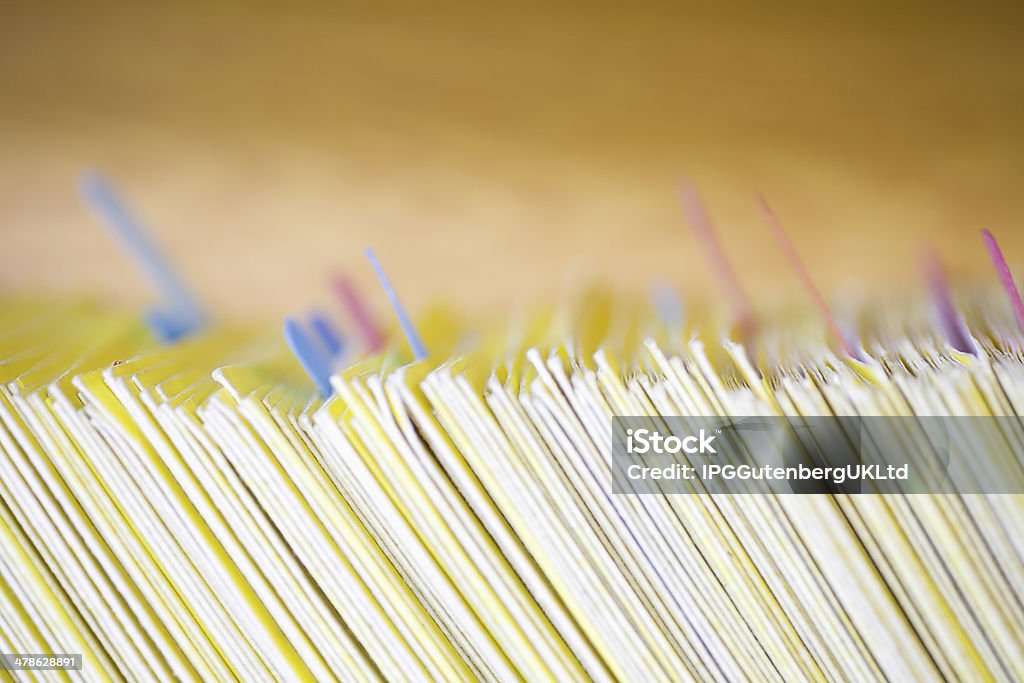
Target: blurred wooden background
[[485, 152]]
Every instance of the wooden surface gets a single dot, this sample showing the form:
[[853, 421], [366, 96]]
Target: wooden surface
[[485, 153]]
